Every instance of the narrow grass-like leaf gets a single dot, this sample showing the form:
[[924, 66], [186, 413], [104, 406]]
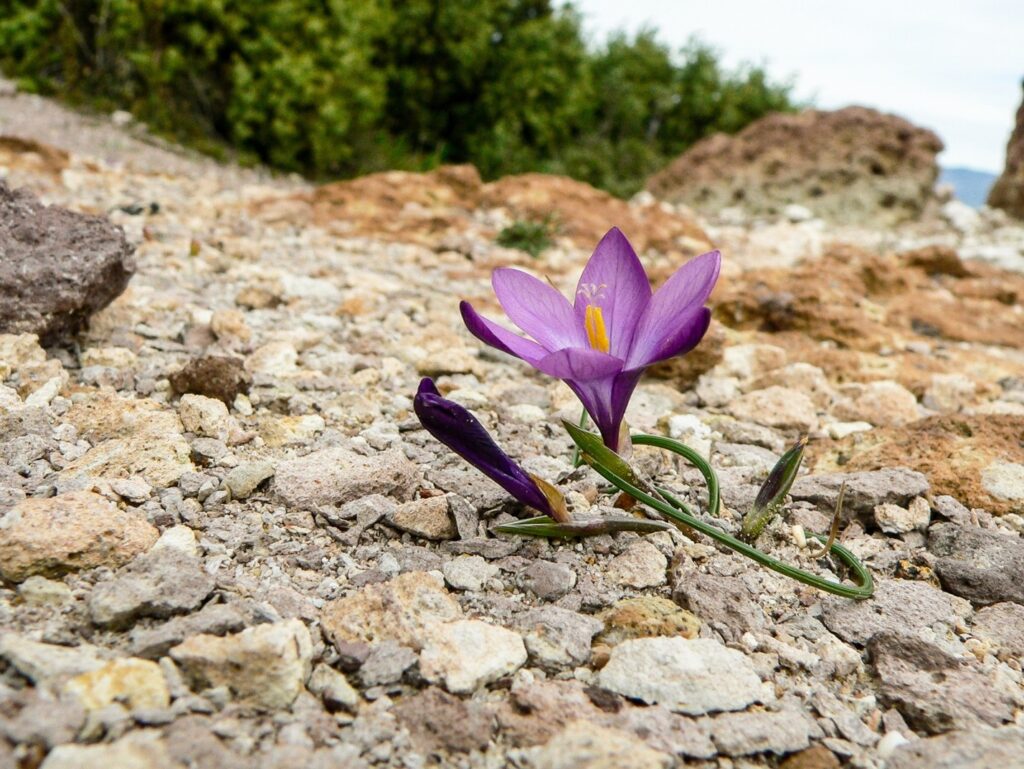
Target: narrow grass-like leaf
[[544, 526]]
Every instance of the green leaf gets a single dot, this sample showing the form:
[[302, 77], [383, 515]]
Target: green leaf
[[543, 526], [596, 453]]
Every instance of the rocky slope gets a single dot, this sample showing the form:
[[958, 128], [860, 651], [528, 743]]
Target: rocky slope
[[225, 541], [850, 166]]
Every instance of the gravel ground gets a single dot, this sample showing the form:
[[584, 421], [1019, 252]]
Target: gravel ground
[[227, 542]]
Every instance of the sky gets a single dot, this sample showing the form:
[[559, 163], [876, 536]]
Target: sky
[[953, 66]]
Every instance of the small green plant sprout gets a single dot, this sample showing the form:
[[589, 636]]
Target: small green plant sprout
[[772, 495]]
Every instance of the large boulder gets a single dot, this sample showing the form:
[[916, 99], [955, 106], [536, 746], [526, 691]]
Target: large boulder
[[851, 166], [57, 267], [1008, 191]]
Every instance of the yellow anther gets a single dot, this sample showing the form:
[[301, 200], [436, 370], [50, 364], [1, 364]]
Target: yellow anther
[[596, 333]]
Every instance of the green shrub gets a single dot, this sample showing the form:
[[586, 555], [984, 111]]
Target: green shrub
[[341, 87], [533, 237]]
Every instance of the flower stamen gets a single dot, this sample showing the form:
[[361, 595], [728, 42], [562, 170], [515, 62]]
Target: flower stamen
[[597, 335]]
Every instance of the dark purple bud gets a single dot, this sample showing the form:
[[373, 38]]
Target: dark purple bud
[[460, 431]]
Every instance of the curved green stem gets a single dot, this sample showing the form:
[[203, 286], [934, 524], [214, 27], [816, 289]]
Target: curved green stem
[[676, 447], [576, 459], [861, 576], [675, 501]]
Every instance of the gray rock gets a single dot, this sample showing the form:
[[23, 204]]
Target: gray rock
[[58, 266], [557, 638], [746, 455], [479, 491], [719, 599], [640, 565], [743, 734], [468, 572], [366, 511], [333, 688], [582, 745], [265, 666], [983, 566], [864, 490], [215, 376], [951, 509], [846, 720], [137, 750], [191, 742], [40, 591], [692, 677], [893, 519], [466, 518], [416, 558], [664, 730], [336, 476], [469, 653], [547, 580], [977, 748], [933, 690], [401, 610], [896, 605], [36, 716], [439, 721], [1002, 624], [386, 663], [216, 619], [39, 661], [427, 518], [161, 583], [491, 549], [244, 479]]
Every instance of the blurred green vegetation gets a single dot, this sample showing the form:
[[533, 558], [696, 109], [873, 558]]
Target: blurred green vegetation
[[335, 88], [533, 237]]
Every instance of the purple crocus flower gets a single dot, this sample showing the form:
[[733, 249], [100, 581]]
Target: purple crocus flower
[[616, 327], [460, 431]]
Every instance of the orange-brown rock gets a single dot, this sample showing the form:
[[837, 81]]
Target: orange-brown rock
[[429, 208], [854, 165], [584, 214], [394, 205], [959, 454], [1008, 191], [32, 157], [863, 301], [863, 317]]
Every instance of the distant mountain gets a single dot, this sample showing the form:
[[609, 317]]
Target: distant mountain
[[969, 185]]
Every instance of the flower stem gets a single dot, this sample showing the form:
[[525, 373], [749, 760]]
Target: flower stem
[[861, 576], [710, 476], [577, 460]]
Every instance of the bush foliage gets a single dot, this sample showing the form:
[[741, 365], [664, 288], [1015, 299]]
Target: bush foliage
[[341, 87]]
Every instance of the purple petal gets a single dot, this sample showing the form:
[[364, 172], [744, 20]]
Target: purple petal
[[489, 332], [606, 401], [672, 315], [614, 280], [538, 309], [681, 340], [460, 431], [582, 364]]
